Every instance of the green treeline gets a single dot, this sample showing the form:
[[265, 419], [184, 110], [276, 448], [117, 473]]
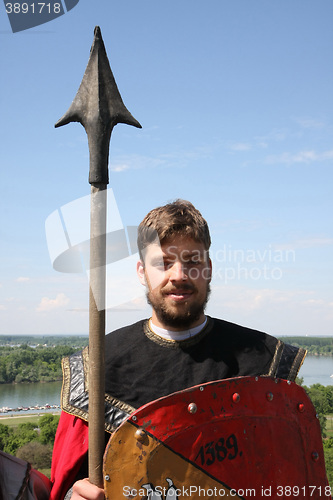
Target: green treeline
[[328, 452], [35, 358], [316, 346], [27, 364], [322, 399], [30, 442], [43, 340]]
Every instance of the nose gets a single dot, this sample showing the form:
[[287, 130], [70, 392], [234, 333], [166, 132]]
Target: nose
[[178, 272]]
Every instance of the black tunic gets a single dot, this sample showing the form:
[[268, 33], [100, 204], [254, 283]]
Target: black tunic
[[142, 367]]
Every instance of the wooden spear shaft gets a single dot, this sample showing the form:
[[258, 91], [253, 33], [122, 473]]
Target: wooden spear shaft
[[98, 107], [97, 290]]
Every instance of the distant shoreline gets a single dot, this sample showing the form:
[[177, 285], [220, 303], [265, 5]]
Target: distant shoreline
[[29, 414], [28, 410], [26, 382]]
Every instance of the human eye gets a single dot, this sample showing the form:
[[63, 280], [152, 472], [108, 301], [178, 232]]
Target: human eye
[[159, 264], [194, 261], [168, 263]]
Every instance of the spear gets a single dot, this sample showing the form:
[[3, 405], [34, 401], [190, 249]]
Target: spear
[[98, 106]]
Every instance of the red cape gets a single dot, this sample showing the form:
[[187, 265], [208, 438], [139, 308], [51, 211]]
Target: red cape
[[70, 448]]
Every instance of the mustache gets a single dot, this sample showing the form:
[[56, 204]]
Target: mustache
[[184, 288]]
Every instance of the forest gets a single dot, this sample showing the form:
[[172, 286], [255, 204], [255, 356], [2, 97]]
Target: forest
[[41, 362], [316, 346], [44, 340], [31, 441]]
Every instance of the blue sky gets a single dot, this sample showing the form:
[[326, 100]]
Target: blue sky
[[235, 101]]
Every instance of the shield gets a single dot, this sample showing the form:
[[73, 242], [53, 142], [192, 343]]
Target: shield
[[247, 437]]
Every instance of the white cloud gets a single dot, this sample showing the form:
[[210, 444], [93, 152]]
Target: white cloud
[[279, 312], [300, 157], [306, 243], [22, 279], [137, 304], [241, 298], [241, 146], [120, 167], [327, 155], [262, 144], [2, 307], [276, 135], [134, 162], [47, 304], [310, 123], [177, 158]]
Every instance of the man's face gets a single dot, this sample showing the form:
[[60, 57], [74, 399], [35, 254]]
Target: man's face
[[177, 275]]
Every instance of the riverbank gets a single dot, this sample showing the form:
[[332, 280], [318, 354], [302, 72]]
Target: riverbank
[[16, 420], [29, 409]]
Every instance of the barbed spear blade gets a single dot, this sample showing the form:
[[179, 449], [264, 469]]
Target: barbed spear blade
[[98, 106]]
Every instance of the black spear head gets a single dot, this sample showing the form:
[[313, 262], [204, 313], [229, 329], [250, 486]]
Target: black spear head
[[98, 106]]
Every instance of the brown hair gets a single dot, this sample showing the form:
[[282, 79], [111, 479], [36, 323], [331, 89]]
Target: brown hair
[[177, 218]]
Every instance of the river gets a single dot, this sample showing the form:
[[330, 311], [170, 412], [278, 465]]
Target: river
[[315, 369], [28, 395]]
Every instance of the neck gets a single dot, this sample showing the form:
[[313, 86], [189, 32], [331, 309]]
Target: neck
[[168, 334]]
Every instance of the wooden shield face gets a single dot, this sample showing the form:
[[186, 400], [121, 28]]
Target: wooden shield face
[[248, 437]]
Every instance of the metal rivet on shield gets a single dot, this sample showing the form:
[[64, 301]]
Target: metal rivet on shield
[[134, 418], [269, 396], [236, 397], [315, 456], [107, 478], [192, 408], [301, 407], [140, 435]]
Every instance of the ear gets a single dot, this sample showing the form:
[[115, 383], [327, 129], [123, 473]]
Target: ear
[[140, 269]]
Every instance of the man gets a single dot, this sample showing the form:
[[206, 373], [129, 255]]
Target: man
[[177, 348]]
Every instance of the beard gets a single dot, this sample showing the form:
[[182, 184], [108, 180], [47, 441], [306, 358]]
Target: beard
[[182, 316]]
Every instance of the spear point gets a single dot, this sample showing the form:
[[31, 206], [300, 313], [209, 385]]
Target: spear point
[[98, 106]]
